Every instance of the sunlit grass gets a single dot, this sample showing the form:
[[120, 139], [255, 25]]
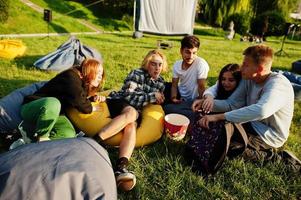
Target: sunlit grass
[[160, 168]]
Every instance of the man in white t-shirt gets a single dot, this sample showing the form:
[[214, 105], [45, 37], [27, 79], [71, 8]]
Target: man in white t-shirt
[[189, 78]]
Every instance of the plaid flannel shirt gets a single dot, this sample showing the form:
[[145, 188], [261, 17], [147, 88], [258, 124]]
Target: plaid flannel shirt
[[139, 89]]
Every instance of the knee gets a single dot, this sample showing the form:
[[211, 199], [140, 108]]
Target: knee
[[51, 105], [131, 127], [130, 114], [129, 131]]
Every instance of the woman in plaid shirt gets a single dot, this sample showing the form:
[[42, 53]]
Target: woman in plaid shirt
[[141, 87]]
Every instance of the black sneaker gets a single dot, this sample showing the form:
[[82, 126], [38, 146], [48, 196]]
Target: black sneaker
[[125, 180]]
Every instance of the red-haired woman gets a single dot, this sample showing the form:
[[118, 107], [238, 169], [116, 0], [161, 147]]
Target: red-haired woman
[[44, 110]]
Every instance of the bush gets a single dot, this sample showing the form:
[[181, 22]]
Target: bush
[[241, 22], [276, 24], [4, 8]]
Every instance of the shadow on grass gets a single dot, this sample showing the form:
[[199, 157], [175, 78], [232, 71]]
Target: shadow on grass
[[64, 8], [27, 61], [209, 32], [111, 24], [57, 28], [9, 85]]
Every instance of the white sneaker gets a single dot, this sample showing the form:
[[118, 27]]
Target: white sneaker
[[126, 180], [17, 143]]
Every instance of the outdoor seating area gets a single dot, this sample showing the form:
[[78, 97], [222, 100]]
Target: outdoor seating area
[[152, 99]]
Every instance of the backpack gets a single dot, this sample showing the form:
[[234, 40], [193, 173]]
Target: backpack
[[206, 149]]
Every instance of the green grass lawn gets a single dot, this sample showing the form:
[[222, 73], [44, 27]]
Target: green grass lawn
[[23, 19], [160, 168]]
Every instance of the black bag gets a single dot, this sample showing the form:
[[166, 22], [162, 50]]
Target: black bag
[[206, 149]]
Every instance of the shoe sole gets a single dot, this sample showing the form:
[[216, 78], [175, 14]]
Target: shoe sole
[[126, 178]]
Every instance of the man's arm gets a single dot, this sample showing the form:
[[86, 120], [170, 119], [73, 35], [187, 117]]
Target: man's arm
[[174, 90], [235, 101], [201, 87], [272, 98]]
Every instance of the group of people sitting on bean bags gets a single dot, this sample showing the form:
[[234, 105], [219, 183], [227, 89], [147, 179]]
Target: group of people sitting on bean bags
[[251, 94]]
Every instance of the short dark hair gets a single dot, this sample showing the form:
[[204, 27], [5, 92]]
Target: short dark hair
[[190, 41]]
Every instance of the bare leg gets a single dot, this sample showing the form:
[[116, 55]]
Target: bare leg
[[128, 141], [127, 116]]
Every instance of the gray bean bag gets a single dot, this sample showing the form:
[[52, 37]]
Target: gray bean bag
[[77, 168], [10, 106], [72, 52]]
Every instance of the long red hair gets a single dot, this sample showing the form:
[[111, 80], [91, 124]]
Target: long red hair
[[88, 71]]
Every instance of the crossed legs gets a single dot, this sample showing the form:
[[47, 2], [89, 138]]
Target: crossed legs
[[125, 121]]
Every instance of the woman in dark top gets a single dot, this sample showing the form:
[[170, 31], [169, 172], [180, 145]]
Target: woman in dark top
[[228, 80], [45, 109]]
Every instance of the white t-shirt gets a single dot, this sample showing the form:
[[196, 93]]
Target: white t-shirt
[[188, 86]]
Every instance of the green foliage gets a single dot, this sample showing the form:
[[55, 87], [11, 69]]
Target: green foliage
[[16, 22], [276, 24], [241, 22], [116, 8], [4, 10], [109, 8], [214, 11], [217, 12], [282, 6], [61, 22]]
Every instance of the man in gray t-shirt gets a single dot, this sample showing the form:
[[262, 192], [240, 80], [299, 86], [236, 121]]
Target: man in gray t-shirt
[[263, 102]]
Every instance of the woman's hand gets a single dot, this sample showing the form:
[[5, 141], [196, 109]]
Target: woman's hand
[[197, 105], [208, 104], [98, 98], [159, 97]]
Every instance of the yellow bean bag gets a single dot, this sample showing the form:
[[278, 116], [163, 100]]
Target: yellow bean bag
[[150, 130], [11, 48]]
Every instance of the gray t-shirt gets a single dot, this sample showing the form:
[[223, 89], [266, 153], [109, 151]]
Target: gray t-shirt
[[268, 106]]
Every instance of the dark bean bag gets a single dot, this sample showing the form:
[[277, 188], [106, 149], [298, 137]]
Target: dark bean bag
[[296, 67], [10, 107], [77, 168]]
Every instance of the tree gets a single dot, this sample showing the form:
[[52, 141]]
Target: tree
[[4, 10], [282, 6], [215, 11]]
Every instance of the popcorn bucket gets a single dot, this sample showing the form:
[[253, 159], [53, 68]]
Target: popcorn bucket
[[176, 126]]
